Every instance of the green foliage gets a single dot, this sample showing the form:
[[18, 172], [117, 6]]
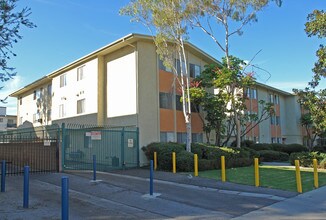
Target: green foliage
[[291, 148], [306, 158], [11, 22], [209, 157], [271, 155], [260, 146], [320, 149]]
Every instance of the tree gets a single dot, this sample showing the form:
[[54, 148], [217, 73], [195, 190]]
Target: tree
[[169, 20], [311, 99], [227, 13], [10, 23], [216, 102]]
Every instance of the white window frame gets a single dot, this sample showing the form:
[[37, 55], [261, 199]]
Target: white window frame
[[62, 111], [80, 73], [63, 80], [81, 106]]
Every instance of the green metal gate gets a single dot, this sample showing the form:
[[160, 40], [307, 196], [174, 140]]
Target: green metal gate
[[115, 148]]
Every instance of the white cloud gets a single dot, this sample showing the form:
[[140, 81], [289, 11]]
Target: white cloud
[[8, 88]]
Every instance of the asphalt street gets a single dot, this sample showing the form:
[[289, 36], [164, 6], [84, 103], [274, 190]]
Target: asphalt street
[[125, 195]]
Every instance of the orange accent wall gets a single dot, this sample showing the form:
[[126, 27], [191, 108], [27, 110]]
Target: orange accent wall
[[196, 123], [277, 110], [166, 81], [166, 120]]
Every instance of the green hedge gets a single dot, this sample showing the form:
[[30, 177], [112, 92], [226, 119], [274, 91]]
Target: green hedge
[[271, 155], [306, 158], [286, 148], [209, 156]]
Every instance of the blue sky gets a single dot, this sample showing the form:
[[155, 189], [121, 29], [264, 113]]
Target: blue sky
[[69, 29]]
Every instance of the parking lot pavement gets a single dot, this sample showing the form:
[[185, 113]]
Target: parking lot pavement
[[125, 195]]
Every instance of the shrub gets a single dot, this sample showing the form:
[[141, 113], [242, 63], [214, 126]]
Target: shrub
[[322, 164], [245, 143], [158, 147], [291, 148], [185, 161], [204, 164], [321, 149], [271, 155], [252, 153], [261, 146], [306, 158], [277, 147]]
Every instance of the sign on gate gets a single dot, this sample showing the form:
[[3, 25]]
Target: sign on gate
[[96, 135]]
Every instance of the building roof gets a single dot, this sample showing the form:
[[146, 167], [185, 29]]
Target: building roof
[[116, 45]]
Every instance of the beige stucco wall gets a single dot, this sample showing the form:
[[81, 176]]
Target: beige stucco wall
[[148, 95], [292, 121]]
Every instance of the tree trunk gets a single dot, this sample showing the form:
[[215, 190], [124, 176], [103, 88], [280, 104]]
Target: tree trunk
[[188, 128], [238, 129]]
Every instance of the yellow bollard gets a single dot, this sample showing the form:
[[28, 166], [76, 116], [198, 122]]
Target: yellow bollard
[[298, 176], [174, 167], [223, 168], [256, 172], [155, 160], [315, 173], [195, 165]]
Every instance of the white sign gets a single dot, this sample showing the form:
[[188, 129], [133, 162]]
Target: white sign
[[47, 143], [88, 134], [130, 142], [96, 135]]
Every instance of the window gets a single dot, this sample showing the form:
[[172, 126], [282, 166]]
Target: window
[[279, 140], [194, 70], [272, 120], [81, 106], [277, 100], [10, 121], [253, 94], [36, 117], [167, 137], [181, 137], [271, 98], [63, 80], [178, 66], [194, 108], [49, 90], [37, 94], [162, 67], [178, 103], [273, 140], [20, 100], [197, 137], [1, 119], [277, 120], [247, 93], [165, 100], [62, 111], [80, 73]]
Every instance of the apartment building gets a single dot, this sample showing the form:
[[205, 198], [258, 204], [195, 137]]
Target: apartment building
[[7, 122], [126, 84], [284, 126]]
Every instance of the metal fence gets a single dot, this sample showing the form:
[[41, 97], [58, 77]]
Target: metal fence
[[36, 147], [115, 148]]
